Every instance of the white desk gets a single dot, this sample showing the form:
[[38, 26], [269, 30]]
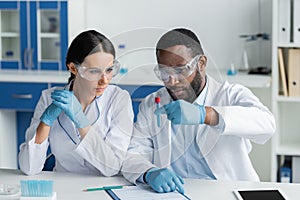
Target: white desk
[[70, 186]]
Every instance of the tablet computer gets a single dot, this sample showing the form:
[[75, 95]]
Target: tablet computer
[[259, 194]]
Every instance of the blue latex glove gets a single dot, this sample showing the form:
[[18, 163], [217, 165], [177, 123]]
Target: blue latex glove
[[50, 114], [66, 100], [164, 180], [183, 112]]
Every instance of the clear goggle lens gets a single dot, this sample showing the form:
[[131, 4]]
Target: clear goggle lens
[[164, 72], [95, 73]]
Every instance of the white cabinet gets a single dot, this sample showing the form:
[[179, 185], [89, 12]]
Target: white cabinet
[[285, 105], [8, 141], [20, 91]]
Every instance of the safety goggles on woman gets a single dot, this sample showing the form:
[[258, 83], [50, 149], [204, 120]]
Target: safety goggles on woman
[[164, 72], [95, 73]]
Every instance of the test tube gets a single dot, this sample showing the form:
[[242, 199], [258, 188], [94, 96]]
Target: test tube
[[157, 102]]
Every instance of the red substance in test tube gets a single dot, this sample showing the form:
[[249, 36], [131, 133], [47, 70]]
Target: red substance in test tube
[[157, 99]]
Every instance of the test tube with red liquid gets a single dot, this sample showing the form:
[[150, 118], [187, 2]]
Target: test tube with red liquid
[[157, 102]]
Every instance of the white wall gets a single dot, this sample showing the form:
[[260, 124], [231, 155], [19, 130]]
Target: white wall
[[76, 17], [261, 154], [139, 23]]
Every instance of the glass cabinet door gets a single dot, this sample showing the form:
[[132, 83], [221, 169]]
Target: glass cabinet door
[[33, 35], [10, 48], [51, 34], [10, 37]]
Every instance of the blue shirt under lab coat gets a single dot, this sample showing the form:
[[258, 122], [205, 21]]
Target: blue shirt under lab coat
[[191, 163]]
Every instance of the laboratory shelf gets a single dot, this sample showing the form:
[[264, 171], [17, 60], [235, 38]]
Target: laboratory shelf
[[289, 149], [10, 34], [288, 99], [242, 77], [49, 35], [252, 81], [286, 141], [289, 45]]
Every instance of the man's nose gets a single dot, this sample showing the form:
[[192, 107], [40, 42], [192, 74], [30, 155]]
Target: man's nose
[[172, 80]]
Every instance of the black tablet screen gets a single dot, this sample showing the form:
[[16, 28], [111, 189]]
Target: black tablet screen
[[261, 195]]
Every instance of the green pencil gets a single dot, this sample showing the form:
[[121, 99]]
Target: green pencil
[[104, 188]]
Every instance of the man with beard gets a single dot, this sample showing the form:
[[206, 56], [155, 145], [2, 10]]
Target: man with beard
[[206, 127]]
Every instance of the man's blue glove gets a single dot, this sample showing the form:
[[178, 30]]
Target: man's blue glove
[[182, 112], [164, 180], [66, 100], [50, 114]]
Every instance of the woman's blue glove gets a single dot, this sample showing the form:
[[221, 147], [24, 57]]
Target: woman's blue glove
[[182, 112], [66, 100], [164, 180], [50, 114]]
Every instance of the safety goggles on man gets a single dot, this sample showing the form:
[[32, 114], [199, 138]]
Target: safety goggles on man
[[95, 73], [164, 72]]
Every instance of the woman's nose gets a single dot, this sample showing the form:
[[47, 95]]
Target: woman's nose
[[103, 79]]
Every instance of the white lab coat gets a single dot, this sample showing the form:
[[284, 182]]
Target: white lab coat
[[225, 149], [100, 152]]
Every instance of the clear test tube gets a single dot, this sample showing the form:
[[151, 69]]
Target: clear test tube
[[157, 102]]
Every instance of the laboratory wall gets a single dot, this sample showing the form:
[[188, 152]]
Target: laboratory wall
[[135, 26], [261, 154]]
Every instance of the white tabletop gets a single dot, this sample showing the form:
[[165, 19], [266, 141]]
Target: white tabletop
[[34, 76], [70, 186]]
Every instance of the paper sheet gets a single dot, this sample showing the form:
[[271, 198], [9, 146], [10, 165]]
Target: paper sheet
[[145, 193]]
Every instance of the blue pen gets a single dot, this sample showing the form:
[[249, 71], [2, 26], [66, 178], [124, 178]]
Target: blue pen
[[157, 102], [105, 188]]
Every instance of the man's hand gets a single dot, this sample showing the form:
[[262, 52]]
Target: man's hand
[[182, 112], [164, 180]]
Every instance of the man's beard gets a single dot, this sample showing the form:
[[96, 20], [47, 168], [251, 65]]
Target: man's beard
[[192, 90]]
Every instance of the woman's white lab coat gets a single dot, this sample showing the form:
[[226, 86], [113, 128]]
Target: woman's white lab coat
[[100, 152], [225, 148]]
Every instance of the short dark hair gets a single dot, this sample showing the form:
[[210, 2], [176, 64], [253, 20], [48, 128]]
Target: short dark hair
[[180, 36], [87, 43]]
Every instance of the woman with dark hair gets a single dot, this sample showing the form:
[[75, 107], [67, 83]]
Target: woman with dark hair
[[88, 123]]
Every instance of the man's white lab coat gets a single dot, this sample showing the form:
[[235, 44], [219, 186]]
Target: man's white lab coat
[[243, 119]]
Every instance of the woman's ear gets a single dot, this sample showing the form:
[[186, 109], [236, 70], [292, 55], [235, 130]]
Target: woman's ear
[[202, 62], [72, 68]]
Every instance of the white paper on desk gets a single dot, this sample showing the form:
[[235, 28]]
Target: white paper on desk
[[145, 193]]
